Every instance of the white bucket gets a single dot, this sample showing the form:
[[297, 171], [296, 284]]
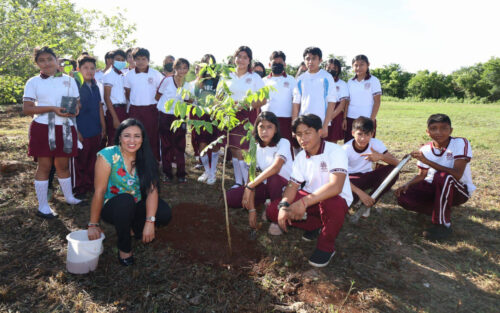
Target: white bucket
[[83, 254]]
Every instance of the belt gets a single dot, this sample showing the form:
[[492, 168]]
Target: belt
[[119, 105]]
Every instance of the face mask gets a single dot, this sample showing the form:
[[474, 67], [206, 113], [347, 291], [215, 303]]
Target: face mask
[[277, 68], [169, 67], [333, 73], [119, 65], [261, 74]]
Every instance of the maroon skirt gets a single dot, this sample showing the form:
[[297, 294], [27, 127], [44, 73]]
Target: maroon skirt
[[38, 146], [239, 132], [335, 131]]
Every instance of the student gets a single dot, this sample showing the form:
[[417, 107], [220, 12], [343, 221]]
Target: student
[[168, 66], [335, 130], [364, 95], [173, 142], [444, 177], [108, 61], [91, 126], [274, 160], [259, 68], [362, 152], [52, 135], [130, 61], [321, 167], [114, 94], [280, 101], [301, 69], [242, 80], [315, 92], [141, 84]]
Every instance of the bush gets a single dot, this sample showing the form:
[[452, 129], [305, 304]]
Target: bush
[[11, 89]]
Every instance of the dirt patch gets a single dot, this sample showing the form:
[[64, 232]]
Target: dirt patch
[[199, 232]]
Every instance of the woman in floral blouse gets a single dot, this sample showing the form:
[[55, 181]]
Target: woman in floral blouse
[[126, 190]]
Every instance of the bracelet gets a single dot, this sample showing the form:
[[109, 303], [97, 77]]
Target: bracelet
[[303, 202], [150, 221], [249, 188], [251, 210], [283, 204], [285, 208], [93, 225]]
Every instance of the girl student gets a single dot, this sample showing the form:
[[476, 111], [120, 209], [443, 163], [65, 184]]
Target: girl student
[[335, 130], [364, 94], [274, 159], [173, 143], [242, 80], [52, 134]]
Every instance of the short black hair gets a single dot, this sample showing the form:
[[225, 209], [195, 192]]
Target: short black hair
[[109, 55], [207, 57], [313, 51], [167, 58], [39, 51], [277, 54], [257, 63], [363, 124], [84, 59], [438, 118], [181, 61], [310, 120], [119, 52], [270, 117], [140, 52], [129, 50], [337, 64]]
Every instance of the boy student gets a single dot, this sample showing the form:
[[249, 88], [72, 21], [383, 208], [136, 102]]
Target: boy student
[[168, 66], [91, 126], [280, 101], [322, 167], [141, 84], [315, 91], [108, 60], [335, 130], [130, 61], [362, 152], [114, 95], [444, 178]]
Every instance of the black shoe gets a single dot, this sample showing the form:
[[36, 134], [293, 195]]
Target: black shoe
[[310, 235], [127, 261], [437, 233], [181, 180], [320, 258], [167, 179], [47, 216]]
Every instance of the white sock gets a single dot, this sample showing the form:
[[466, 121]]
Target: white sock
[[213, 164], [42, 188], [68, 190], [244, 171], [204, 161], [238, 179]]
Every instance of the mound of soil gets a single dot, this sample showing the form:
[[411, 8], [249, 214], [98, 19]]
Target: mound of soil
[[200, 233]]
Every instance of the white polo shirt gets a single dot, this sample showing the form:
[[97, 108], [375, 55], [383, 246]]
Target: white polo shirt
[[143, 86], [116, 81], [280, 101], [169, 90], [315, 170], [358, 163], [314, 92], [341, 89], [458, 148], [48, 92], [361, 95], [267, 155], [240, 85]]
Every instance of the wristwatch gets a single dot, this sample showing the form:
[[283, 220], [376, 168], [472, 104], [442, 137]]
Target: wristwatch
[[283, 205], [151, 219]]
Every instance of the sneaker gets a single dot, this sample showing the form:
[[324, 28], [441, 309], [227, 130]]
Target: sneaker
[[310, 235], [437, 233], [203, 178], [366, 214], [198, 166], [235, 186], [320, 258], [211, 180], [274, 230], [181, 180], [47, 216], [127, 261]]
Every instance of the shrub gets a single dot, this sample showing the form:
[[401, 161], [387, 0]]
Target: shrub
[[11, 89]]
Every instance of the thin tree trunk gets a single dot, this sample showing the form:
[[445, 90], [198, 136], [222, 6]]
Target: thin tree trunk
[[224, 194]]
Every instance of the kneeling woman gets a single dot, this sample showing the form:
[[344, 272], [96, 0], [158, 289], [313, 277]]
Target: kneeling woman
[[274, 159], [126, 190]]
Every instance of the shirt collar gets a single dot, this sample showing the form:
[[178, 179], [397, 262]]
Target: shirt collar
[[117, 71], [320, 151], [45, 76], [282, 75], [146, 71]]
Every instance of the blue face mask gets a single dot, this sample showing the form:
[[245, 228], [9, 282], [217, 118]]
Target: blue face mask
[[119, 65]]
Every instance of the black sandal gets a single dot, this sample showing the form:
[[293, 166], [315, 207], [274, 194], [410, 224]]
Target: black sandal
[[127, 261]]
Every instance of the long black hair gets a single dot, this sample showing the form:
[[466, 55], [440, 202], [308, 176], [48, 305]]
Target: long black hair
[[270, 117], [364, 58], [248, 51], [145, 163]]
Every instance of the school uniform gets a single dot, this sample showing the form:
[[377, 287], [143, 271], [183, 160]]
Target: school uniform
[[440, 191], [335, 131], [89, 125], [143, 105], [272, 187], [280, 101], [361, 171], [116, 80], [361, 101], [173, 143], [314, 171]]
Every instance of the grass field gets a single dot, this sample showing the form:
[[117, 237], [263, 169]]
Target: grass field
[[382, 264]]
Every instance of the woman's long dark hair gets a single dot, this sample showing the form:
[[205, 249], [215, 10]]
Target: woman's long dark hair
[[145, 163], [248, 51], [270, 117]]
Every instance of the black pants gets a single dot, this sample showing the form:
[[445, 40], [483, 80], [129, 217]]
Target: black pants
[[125, 214]]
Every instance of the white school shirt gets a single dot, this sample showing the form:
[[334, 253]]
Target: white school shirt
[[267, 155], [357, 163], [361, 96], [99, 76], [169, 91], [315, 170], [240, 85], [143, 86], [48, 92], [117, 83], [341, 89], [313, 92], [280, 101], [458, 148]]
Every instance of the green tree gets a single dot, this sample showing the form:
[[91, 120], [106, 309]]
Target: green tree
[[393, 79], [346, 68], [491, 77], [469, 82], [430, 85]]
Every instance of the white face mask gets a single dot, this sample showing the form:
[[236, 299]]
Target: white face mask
[[119, 65]]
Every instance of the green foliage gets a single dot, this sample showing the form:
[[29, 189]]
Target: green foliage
[[393, 79], [11, 89], [469, 83], [491, 77], [346, 68], [430, 85]]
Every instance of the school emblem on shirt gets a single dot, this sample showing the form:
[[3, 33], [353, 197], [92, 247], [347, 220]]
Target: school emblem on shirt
[[286, 84], [66, 83], [248, 80], [449, 155], [337, 88], [323, 167], [150, 80], [367, 85]]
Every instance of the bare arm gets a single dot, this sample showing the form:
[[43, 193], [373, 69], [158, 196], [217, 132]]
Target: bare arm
[[268, 172], [29, 108], [295, 111], [127, 94], [376, 106], [458, 166]]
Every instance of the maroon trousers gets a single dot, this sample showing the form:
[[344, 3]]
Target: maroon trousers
[[85, 164], [148, 115], [272, 189], [372, 180], [436, 198], [173, 146], [335, 132], [122, 114], [328, 214], [348, 132]]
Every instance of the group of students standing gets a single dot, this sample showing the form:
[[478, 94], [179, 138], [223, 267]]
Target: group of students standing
[[309, 180]]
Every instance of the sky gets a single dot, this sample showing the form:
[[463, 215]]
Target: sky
[[438, 35]]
